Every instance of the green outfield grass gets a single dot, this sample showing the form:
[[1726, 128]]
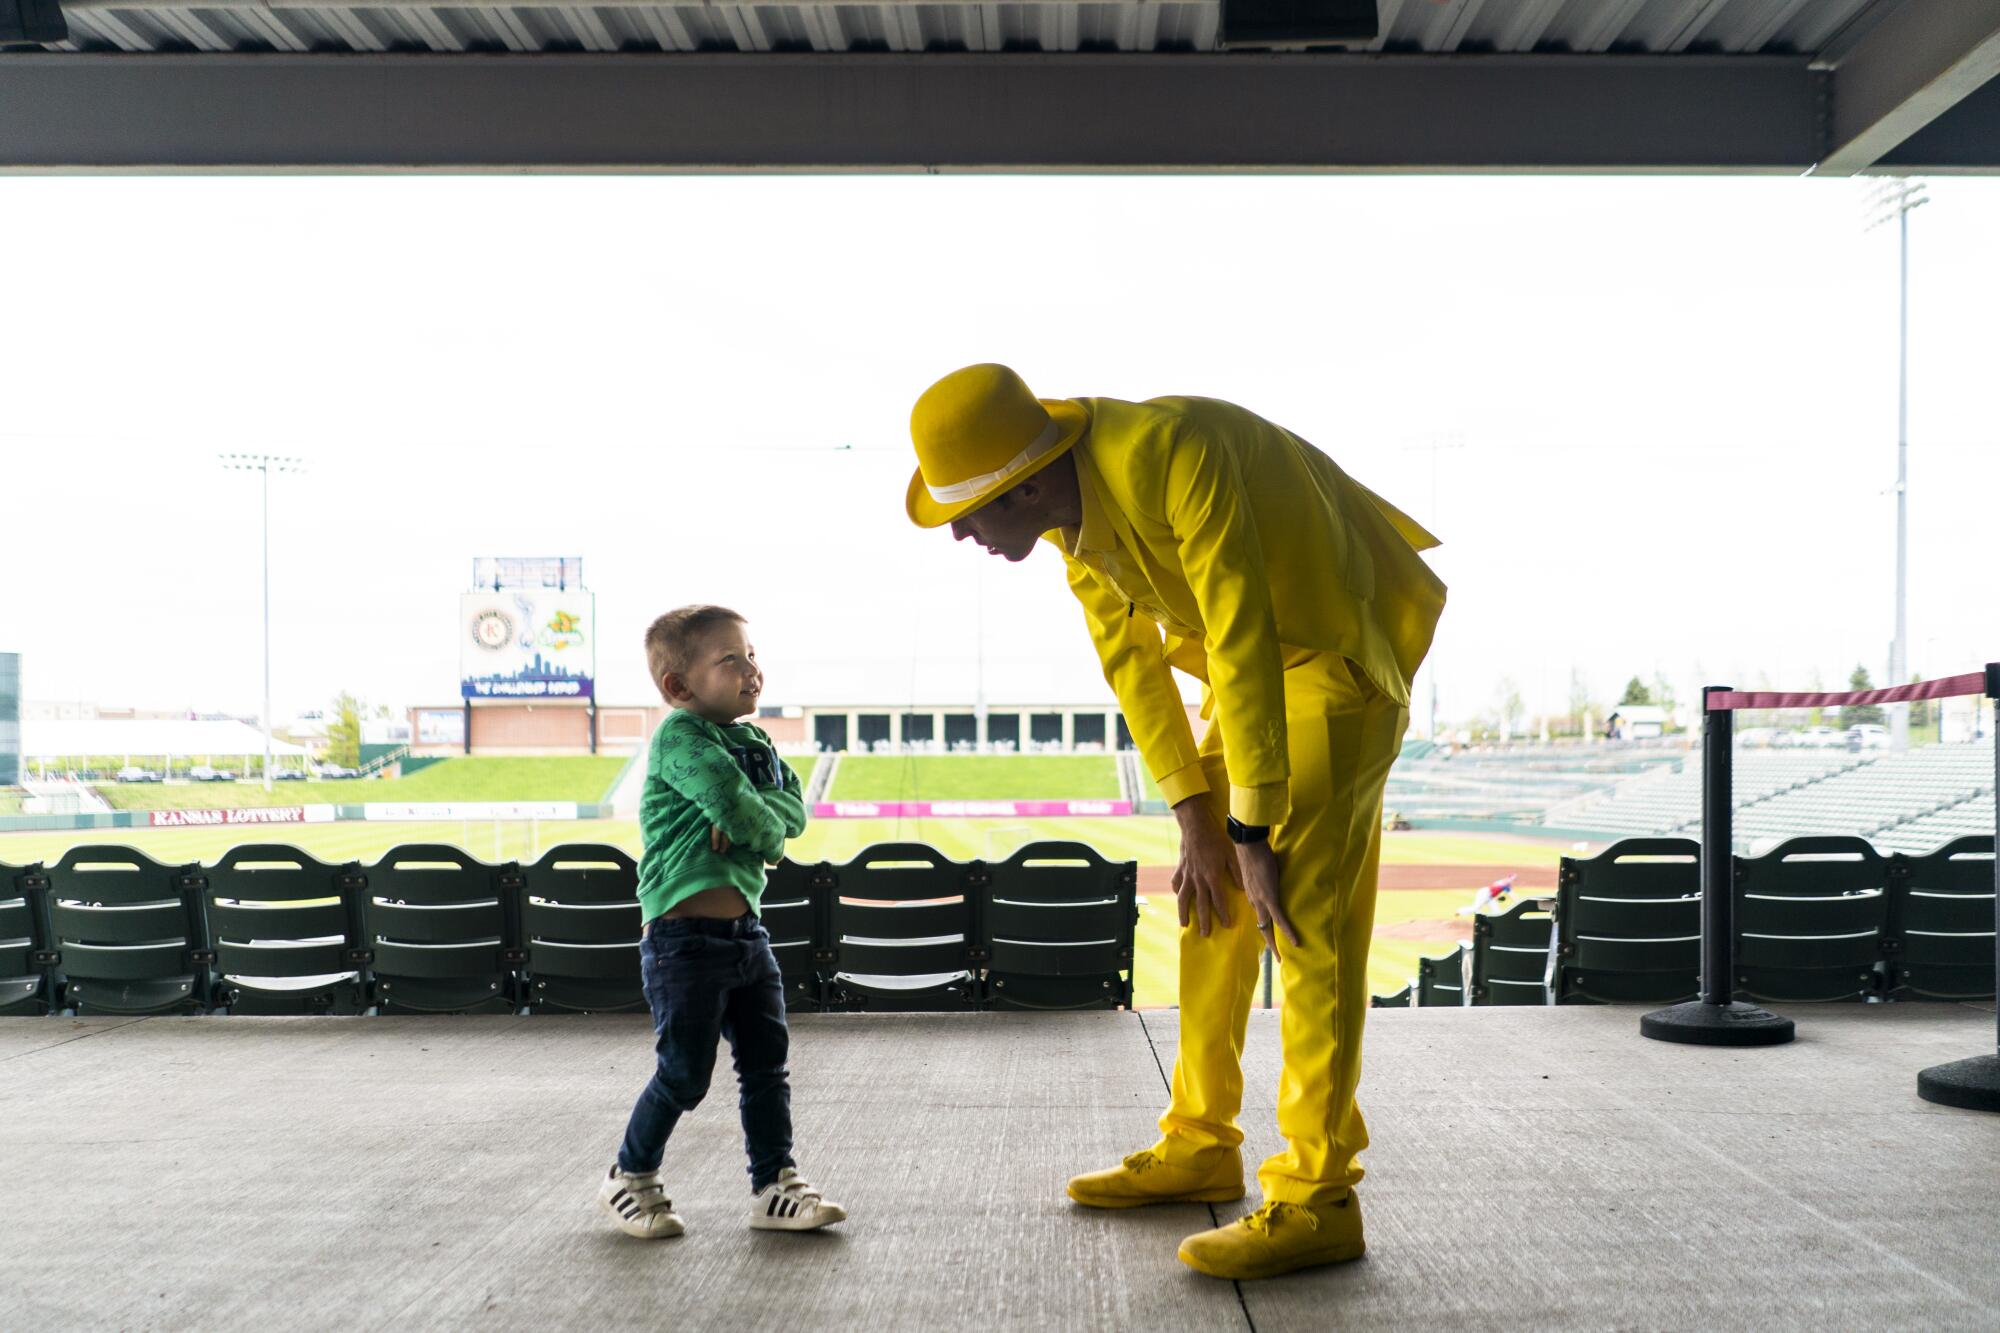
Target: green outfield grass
[[1149, 841], [803, 765], [583, 778], [975, 777]]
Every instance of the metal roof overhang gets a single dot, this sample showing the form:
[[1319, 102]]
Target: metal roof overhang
[[1886, 86]]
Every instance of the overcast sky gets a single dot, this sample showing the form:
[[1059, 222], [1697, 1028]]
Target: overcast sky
[[1671, 405]]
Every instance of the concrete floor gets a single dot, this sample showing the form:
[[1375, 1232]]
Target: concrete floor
[[1531, 1169]]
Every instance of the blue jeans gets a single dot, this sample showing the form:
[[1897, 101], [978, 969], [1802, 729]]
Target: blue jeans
[[707, 979]]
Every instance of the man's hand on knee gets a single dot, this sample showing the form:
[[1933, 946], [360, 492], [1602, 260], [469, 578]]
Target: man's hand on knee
[[1205, 878], [1257, 867]]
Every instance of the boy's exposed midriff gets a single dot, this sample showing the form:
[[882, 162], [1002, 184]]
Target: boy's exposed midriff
[[722, 903]]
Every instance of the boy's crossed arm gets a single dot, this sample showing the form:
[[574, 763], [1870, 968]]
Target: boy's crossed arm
[[706, 773]]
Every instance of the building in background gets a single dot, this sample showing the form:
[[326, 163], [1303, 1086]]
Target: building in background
[[10, 719]]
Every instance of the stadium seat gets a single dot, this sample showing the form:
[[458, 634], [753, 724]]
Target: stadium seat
[[27, 964], [1628, 924], [1509, 963], [285, 927], [1402, 999], [1056, 927], [902, 930], [433, 922], [797, 913], [1441, 981], [1810, 918], [579, 913], [130, 933], [1940, 934]]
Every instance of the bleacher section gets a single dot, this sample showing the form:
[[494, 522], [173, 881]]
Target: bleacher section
[[1909, 802], [1670, 801]]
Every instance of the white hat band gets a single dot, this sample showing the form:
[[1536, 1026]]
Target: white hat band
[[971, 486]]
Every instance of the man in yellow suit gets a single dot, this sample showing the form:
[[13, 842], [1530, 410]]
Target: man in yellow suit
[[1198, 535]]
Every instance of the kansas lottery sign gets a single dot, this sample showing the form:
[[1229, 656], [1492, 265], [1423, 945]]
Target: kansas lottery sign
[[529, 643]]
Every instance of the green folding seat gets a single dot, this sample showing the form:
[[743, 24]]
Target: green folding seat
[[1402, 999], [1940, 933], [129, 931], [1628, 924], [1056, 924], [902, 931], [579, 913], [436, 933], [1441, 980], [1811, 917], [27, 962], [1509, 963], [797, 914], [285, 928]]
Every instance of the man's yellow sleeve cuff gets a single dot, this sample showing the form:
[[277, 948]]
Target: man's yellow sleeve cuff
[[1183, 782], [1265, 805]]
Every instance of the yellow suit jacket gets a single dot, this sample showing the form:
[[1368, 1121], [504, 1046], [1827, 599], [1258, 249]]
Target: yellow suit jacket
[[1217, 542]]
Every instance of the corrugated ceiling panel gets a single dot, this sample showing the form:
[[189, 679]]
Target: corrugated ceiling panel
[[1797, 26]]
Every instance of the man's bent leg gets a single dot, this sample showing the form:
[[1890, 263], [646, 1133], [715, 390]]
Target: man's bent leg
[[1344, 736]]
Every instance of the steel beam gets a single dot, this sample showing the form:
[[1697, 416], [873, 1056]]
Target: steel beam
[[1923, 58], [884, 112]]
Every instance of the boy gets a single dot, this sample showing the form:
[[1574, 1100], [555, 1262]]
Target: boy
[[718, 805]]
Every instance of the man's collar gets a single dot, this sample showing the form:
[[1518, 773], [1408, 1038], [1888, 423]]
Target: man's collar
[[1094, 532]]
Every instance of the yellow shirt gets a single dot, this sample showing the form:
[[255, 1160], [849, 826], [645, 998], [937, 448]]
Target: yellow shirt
[[1214, 541]]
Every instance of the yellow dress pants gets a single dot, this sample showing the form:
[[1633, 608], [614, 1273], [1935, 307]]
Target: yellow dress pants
[[1344, 734]]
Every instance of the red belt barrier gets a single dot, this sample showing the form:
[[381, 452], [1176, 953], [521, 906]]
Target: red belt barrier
[[1949, 687]]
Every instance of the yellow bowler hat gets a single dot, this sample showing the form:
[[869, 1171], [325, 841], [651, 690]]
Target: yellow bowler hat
[[978, 432]]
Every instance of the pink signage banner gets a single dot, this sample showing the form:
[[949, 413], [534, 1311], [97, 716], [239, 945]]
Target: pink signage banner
[[965, 809]]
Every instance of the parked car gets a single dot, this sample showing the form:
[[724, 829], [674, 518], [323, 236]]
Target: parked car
[[1867, 736], [288, 775], [1821, 738], [336, 771], [133, 773], [203, 773]]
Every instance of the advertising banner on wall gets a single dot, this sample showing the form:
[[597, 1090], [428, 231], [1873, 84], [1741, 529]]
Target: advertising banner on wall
[[527, 643]]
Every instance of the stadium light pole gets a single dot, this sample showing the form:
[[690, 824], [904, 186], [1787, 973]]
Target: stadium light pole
[[1896, 198], [1434, 445], [264, 465]]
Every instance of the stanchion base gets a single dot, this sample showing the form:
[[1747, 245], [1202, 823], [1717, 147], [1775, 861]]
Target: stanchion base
[[1733, 1024], [1973, 1085]]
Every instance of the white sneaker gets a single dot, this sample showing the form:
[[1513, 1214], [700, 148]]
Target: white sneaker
[[792, 1204], [639, 1205]]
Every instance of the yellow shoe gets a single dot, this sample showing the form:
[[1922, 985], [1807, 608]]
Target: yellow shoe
[[1278, 1238], [1147, 1177]]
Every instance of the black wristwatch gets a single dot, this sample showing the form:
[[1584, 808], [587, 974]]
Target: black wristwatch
[[1241, 833]]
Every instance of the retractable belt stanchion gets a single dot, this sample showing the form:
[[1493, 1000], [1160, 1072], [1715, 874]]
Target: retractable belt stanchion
[[1974, 1084], [1715, 1019]]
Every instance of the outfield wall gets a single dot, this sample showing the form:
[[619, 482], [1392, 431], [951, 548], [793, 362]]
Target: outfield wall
[[374, 811]]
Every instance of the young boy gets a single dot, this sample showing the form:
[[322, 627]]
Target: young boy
[[718, 805]]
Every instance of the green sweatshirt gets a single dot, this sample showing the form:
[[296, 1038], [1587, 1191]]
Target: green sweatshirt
[[699, 776]]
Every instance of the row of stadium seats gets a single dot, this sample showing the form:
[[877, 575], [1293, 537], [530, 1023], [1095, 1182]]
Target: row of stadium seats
[[269, 929], [1825, 918]]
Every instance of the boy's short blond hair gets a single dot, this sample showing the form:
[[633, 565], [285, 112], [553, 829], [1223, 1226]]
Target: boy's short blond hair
[[670, 640]]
